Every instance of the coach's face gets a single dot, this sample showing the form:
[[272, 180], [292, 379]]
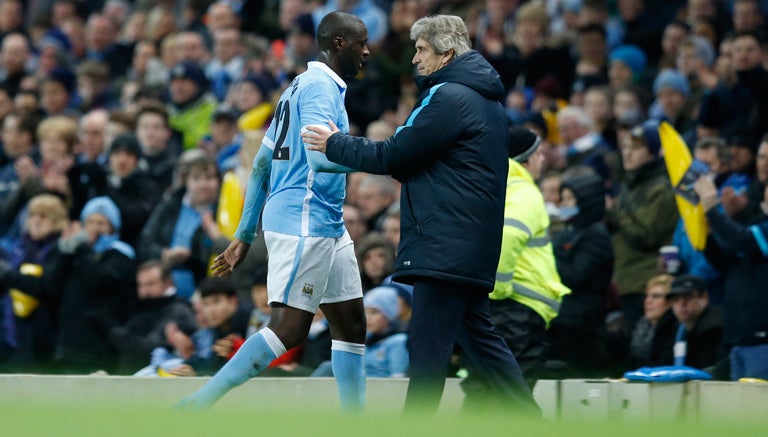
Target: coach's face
[[354, 51], [426, 60]]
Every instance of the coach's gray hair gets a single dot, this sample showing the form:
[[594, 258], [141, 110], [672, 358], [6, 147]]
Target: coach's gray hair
[[442, 32]]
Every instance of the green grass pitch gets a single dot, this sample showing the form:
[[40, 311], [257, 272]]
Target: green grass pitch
[[20, 419]]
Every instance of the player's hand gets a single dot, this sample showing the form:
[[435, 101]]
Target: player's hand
[[317, 136], [232, 256]]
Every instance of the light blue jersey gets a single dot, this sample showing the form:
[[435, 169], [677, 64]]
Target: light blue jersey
[[306, 191]]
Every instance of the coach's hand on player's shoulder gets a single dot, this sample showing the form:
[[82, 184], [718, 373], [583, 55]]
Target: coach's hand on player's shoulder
[[232, 256]]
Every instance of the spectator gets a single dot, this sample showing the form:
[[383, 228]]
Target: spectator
[[57, 136], [597, 104], [57, 93], [130, 187], [190, 48], [373, 16], [224, 141], [386, 351], [747, 16], [674, 34], [15, 55], [158, 149], [144, 330], [747, 56], [101, 45], [672, 91], [713, 153], [191, 106], [653, 336], [700, 331], [584, 257], [727, 102], [24, 275], [252, 100], [376, 259], [96, 272], [91, 142], [583, 145], [391, 228], [642, 219], [226, 320], [18, 139], [221, 15], [93, 86], [11, 17], [146, 67], [695, 58], [626, 65], [375, 195], [739, 251], [228, 63], [300, 44], [182, 231], [355, 225]]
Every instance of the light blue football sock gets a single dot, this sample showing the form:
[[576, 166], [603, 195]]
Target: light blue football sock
[[349, 371], [252, 357]]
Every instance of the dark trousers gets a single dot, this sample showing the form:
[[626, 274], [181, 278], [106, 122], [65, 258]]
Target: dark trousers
[[444, 313], [524, 331]]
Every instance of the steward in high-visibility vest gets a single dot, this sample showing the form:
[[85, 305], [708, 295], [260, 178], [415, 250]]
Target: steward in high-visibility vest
[[528, 290]]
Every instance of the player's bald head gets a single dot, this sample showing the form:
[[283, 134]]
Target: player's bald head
[[337, 24]]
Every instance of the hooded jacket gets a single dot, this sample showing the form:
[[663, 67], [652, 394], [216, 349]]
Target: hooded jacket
[[451, 158], [583, 248]]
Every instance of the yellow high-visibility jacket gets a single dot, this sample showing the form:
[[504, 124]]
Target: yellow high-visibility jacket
[[527, 272]]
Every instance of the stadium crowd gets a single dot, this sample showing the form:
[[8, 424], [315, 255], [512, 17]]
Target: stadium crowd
[[129, 129]]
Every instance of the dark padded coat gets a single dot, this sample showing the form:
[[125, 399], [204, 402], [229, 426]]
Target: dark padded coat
[[451, 157]]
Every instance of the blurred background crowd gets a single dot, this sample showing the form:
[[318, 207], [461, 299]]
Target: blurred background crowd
[[129, 128]]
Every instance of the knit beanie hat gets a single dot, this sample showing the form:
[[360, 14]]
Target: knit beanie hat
[[632, 56], [671, 79], [105, 206], [383, 299], [649, 132], [126, 142]]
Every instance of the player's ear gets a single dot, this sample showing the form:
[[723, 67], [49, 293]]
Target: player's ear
[[338, 43]]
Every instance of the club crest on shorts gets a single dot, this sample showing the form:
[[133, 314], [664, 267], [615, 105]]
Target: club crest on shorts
[[308, 289]]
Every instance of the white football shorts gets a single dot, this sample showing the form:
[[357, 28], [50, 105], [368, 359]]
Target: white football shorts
[[305, 272]]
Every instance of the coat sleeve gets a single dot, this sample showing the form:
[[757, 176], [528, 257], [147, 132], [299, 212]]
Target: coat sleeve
[[592, 251], [520, 224], [651, 224], [151, 241], [112, 268], [433, 127], [735, 238]]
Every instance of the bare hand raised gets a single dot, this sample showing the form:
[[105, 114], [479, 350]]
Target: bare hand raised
[[232, 256]]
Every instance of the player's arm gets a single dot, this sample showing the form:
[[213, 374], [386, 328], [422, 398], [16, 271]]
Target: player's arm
[[255, 196], [318, 161], [319, 103]]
